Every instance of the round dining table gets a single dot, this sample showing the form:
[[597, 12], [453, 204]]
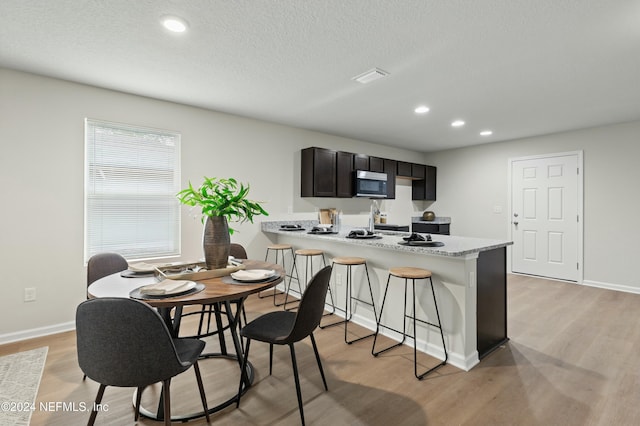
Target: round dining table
[[218, 291]]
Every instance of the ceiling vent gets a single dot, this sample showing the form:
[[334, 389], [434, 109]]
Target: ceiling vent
[[370, 75]]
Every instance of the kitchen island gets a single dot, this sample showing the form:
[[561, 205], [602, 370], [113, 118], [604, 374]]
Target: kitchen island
[[469, 276]]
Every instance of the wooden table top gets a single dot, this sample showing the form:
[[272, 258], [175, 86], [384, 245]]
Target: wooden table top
[[215, 290]]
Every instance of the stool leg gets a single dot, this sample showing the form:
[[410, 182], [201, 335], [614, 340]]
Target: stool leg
[[345, 314], [295, 266], [439, 326], [306, 275], [333, 306], [275, 292], [379, 322], [351, 297]]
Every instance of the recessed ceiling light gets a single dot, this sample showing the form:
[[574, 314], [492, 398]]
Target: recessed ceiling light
[[422, 109], [174, 24], [457, 123], [486, 133]]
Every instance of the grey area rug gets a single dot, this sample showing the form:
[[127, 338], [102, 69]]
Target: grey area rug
[[20, 376]]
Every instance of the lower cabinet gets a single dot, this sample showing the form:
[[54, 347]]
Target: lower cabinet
[[430, 228]]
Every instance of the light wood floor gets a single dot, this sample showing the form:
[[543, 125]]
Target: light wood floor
[[573, 359]]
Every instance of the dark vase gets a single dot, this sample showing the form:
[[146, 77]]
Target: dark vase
[[216, 242]]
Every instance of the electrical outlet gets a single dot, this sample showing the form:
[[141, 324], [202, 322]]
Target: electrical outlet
[[497, 209], [338, 279], [289, 209], [30, 294]]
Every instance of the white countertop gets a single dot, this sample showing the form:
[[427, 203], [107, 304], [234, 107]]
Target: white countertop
[[454, 246]]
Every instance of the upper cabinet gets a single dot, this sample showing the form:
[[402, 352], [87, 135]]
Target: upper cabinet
[[344, 174], [425, 188], [318, 172], [329, 173]]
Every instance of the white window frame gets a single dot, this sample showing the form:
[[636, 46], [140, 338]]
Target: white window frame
[[132, 176]]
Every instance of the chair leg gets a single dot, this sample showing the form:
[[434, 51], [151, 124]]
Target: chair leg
[[203, 397], [94, 412], [243, 374], [315, 350], [167, 402], [270, 358], [297, 380], [136, 415]]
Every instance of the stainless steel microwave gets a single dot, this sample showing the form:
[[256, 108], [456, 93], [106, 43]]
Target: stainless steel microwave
[[370, 184]]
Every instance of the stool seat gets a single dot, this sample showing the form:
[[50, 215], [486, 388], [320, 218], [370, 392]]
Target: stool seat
[[279, 246], [349, 260], [409, 272], [309, 252]]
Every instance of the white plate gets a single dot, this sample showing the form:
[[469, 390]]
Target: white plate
[[253, 275]]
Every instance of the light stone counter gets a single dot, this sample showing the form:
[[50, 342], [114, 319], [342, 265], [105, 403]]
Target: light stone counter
[[469, 276], [453, 246]]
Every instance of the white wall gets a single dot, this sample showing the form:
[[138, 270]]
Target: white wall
[[41, 184], [471, 181]]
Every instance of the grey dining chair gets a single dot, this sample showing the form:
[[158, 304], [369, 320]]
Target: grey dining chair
[[125, 343], [102, 264], [287, 328]]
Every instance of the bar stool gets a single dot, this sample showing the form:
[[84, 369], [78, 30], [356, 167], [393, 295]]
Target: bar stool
[[308, 255], [278, 249], [413, 274], [350, 262]]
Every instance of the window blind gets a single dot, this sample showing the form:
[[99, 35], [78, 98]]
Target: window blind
[[132, 175]]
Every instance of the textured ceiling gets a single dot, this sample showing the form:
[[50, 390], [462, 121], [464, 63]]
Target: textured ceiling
[[518, 67]]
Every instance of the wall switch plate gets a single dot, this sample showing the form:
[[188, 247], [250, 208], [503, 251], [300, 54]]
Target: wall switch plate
[[497, 209], [338, 279], [30, 294]]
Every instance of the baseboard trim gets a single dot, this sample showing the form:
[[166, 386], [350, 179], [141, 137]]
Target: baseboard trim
[[610, 286], [36, 332]]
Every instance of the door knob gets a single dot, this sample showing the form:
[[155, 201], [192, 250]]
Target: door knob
[[515, 215], [515, 223]]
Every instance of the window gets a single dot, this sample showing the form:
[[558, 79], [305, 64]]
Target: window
[[132, 175]]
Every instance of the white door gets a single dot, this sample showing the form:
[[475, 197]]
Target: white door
[[545, 220]]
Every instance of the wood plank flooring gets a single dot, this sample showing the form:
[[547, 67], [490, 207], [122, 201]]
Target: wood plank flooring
[[573, 359]]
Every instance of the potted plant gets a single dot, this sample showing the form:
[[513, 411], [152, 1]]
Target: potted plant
[[221, 201]]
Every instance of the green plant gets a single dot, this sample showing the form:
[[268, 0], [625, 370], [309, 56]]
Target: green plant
[[222, 197]]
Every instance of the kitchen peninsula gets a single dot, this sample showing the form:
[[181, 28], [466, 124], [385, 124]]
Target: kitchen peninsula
[[469, 276]]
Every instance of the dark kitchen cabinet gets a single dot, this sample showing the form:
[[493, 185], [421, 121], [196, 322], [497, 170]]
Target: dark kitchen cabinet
[[328, 173], [425, 189], [430, 228], [376, 164], [390, 167], [418, 171], [344, 174], [318, 173], [360, 162], [404, 169]]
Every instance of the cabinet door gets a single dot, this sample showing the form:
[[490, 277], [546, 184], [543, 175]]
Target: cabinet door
[[361, 162], [324, 173], [390, 167], [425, 188], [318, 173], [376, 164], [404, 169], [430, 184], [418, 171], [425, 228], [344, 177]]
